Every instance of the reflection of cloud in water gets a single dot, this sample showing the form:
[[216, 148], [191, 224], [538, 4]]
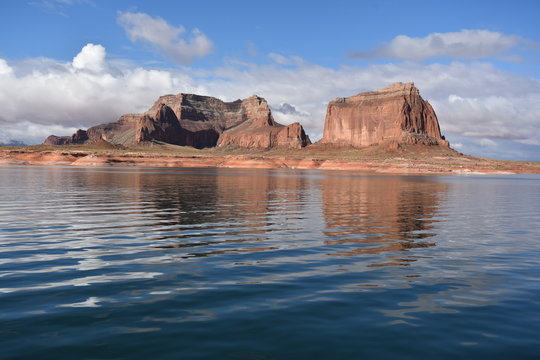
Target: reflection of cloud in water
[[316, 236], [450, 296], [86, 281], [187, 316], [90, 302]]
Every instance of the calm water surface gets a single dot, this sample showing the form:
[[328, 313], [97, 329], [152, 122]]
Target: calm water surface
[[100, 263]]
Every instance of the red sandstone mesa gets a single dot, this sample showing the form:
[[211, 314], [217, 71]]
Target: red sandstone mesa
[[394, 115], [198, 121]]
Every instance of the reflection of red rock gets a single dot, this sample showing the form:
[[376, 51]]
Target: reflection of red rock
[[369, 215], [198, 121], [394, 115]]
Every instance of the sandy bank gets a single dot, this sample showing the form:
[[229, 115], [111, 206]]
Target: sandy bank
[[350, 160]]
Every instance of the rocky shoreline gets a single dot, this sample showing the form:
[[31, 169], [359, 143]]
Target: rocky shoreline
[[402, 162]]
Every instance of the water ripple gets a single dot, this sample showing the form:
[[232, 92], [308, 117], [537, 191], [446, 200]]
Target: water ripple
[[305, 250]]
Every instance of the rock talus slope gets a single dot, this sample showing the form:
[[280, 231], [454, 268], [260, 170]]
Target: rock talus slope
[[394, 115]]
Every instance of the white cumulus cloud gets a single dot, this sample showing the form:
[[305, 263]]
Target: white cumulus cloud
[[5, 69], [465, 44], [91, 57], [43, 96], [165, 38], [473, 101]]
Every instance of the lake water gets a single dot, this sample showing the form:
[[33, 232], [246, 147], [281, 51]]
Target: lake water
[[129, 263]]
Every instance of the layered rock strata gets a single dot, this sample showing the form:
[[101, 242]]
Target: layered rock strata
[[198, 121], [394, 115]]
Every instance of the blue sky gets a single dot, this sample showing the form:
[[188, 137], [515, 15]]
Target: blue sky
[[68, 64]]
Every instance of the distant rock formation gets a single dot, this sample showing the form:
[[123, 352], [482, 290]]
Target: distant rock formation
[[391, 116], [12, 143], [198, 121]]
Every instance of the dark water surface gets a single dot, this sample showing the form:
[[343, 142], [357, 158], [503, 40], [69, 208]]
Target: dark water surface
[[100, 263]]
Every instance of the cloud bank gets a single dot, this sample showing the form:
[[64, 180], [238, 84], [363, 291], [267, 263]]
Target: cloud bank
[[478, 105], [465, 44], [165, 38]]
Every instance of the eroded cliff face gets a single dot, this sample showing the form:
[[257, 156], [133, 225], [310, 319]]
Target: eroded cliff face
[[262, 131], [395, 115], [198, 121]]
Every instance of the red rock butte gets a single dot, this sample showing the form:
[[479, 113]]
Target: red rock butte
[[391, 116], [198, 121]]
